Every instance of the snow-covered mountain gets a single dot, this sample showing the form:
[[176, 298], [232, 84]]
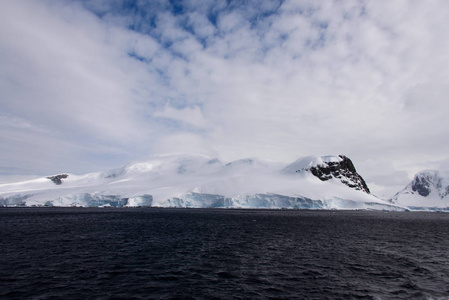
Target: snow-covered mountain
[[313, 182], [429, 190]]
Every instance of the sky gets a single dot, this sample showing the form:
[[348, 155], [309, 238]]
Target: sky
[[91, 85]]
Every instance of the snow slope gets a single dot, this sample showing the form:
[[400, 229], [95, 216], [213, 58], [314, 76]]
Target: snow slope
[[179, 180], [429, 190]]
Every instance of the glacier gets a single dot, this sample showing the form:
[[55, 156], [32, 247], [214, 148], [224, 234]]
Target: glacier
[[199, 181]]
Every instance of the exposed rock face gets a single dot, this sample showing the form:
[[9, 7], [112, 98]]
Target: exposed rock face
[[421, 185], [427, 181], [57, 179], [343, 170]]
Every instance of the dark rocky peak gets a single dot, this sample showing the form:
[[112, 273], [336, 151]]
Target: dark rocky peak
[[57, 179], [343, 169], [427, 181]]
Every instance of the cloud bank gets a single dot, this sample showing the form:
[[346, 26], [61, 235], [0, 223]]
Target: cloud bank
[[90, 85]]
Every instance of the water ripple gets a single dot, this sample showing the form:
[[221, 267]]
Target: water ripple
[[233, 254]]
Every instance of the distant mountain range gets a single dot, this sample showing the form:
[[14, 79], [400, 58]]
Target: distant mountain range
[[178, 180]]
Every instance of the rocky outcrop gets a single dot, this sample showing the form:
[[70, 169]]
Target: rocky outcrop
[[343, 170], [57, 179], [427, 181]]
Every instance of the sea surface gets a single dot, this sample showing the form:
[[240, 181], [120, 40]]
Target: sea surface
[[154, 253]]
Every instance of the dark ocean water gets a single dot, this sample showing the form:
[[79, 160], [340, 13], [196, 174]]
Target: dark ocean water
[[151, 253]]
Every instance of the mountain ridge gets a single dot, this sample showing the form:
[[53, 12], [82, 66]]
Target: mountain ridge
[[185, 180]]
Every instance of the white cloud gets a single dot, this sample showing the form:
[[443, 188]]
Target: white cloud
[[188, 115], [59, 74], [201, 25]]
